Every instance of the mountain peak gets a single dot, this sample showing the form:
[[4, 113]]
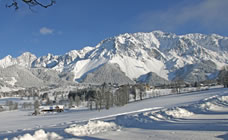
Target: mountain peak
[[26, 55], [26, 59], [8, 57], [7, 61], [136, 54]]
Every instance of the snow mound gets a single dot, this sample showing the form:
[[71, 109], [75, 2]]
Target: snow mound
[[92, 127], [39, 135], [212, 103], [169, 114], [132, 120], [208, 106], [223, 99], [150, 117], [177, 113]]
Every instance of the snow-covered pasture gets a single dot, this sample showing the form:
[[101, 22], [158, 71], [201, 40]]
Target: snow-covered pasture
[[145, 120], [180, 117]]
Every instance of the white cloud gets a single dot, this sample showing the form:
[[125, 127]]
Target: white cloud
[[208, 14], [46, 31]]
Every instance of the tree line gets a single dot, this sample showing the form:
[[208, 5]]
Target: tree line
[[104, 97]]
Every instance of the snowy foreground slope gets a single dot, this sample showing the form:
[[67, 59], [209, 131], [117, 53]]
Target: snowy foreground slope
[[196, 115], [192, 57]]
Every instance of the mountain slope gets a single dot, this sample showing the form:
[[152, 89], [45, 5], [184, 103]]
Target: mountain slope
[[165, 54], [19, 76], [50, 76], [109, 73], [152, 79], [201, 71]]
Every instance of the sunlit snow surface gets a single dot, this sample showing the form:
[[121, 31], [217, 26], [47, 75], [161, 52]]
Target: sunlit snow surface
[[39, 135], [136, 54], [196, 115], [92, 127]]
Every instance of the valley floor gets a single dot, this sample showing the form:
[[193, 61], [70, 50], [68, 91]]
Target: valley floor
[[196, 115]]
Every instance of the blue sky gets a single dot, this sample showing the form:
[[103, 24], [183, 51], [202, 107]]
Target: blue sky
[[74, 24]]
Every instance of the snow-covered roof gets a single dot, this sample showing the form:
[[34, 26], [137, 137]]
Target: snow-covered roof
[[51, 107]]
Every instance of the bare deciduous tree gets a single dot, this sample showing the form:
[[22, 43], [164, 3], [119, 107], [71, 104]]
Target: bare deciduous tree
[[223, 76], [36, 107], [30, 3], [177, 85], [71, 100], [122, 95], [1, 108], [77, 100]]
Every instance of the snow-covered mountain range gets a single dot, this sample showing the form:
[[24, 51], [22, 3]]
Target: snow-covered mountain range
[[191, 57]]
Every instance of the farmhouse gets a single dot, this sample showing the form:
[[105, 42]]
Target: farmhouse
[[54, 108]]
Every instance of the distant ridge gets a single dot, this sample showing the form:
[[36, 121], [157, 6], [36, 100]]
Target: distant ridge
[[127, 57]]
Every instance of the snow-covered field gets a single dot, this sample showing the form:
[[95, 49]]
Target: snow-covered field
[[196, 115]]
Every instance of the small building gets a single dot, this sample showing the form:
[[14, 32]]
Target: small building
[[54, 108]]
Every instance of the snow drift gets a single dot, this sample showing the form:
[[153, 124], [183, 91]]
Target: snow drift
[[168, 114], [145, 119], [90, 128], [39, 135], [211, 104], [148, 118]]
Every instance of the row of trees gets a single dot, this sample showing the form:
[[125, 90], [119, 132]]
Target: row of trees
[[96, 97], [104, 97], [29, 92], [12, 105]]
